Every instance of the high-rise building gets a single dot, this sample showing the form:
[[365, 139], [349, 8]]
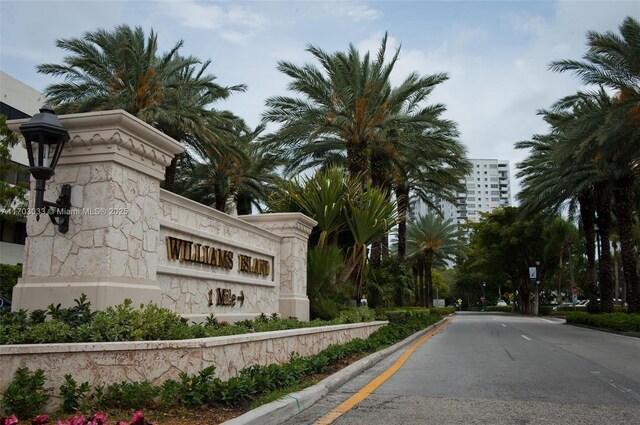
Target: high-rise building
[[486, 188]]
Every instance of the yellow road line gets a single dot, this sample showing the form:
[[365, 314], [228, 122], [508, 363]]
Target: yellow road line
[[375, 383]]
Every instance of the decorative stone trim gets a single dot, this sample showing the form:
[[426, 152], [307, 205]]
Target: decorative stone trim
[[283, 224], [115, 136], [167, 197]]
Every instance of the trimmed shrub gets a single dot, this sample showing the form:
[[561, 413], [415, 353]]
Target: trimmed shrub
[[501, 308], [8, 279], [620, 322], [25, 395]]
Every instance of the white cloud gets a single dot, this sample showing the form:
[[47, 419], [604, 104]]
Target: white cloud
[[233, 23]]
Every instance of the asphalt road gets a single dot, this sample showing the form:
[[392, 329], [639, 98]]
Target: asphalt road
[[501, 369]]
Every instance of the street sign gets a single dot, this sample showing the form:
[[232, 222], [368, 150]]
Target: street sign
[[459, 301], [532, 272]]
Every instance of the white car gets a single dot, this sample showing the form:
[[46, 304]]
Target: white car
[[501, 303]]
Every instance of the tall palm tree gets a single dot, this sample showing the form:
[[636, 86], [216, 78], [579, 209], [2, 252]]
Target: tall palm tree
[[430, 168], [552, 180], [429, 239], [612, 61], [122, 69], [343, 107]]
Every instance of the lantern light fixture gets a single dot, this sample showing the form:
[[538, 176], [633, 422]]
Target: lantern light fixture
[[45, 137]]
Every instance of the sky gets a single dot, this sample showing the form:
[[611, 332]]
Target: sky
[[496, 53]]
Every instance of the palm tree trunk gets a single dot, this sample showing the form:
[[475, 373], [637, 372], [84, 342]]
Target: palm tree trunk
[[560, 273], [170, 174], [572, 280], [624, 197], [357, 162], [429, 279], [385, 247], [587, 215], [605, 270], [378, 180], [402, 201], [616, 272], [243, 205]]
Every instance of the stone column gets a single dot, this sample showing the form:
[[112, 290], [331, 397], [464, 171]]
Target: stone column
[[294, 228], [114, 163]]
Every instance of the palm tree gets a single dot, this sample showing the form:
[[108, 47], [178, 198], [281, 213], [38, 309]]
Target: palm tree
[[344, 107], [122, 69], [324, 197], [552, 180], [431, 239], [612, 61], [369, 215], [243, 174], [560, 236], [431, 168]]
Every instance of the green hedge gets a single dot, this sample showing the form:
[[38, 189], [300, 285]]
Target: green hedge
[[613, 321], [147, 323], [501, 308], [545, 310], [8, 278]]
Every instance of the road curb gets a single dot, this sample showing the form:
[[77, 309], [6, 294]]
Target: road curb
[[290, 405]]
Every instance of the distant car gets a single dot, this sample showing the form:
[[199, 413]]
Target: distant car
[[501, 303], [583, 303], [5, 304], [555, 308]]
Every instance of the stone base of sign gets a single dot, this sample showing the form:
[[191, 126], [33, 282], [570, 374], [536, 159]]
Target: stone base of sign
[[294, 307], [34, 293]]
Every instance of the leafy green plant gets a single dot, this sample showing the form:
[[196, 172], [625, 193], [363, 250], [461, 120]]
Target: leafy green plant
[[326, 289], [25, 395], [74, 396], [9, 278], [391, 284], [75, 316]]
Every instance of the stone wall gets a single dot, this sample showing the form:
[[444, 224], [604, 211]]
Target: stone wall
[[158, 361]]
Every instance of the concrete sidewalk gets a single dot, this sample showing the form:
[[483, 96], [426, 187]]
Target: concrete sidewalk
[[290, 405]]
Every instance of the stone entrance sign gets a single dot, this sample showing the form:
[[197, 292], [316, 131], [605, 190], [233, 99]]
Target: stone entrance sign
[[128, 238]]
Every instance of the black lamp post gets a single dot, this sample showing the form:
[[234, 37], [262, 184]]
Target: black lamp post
[[45, 137]]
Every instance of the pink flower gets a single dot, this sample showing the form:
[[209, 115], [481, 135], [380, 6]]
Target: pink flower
[[11, 420], [40, 420], [223, 323], [137, 419], [99, 419]]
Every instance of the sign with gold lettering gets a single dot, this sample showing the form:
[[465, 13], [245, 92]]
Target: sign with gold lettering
[[253, 265], [226, 298], [183, 250]]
